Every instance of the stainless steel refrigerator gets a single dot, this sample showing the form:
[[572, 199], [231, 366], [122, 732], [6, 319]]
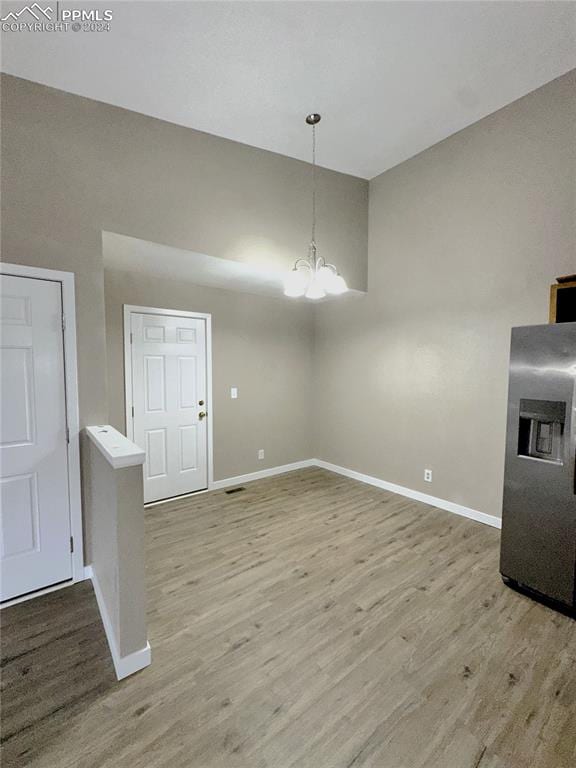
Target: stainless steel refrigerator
[[538, 550]]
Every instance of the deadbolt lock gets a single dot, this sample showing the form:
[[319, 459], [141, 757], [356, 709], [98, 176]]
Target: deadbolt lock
[[200, 402], [202, 415]]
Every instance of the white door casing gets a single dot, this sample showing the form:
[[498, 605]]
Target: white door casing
[[169, 408], [35, 529]]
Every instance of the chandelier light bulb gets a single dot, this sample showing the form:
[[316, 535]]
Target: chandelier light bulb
[[295, 283], [339, 286], [325, 277], [315, 290]]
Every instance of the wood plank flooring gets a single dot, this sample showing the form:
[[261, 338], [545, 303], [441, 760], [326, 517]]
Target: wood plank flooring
[[309, 621]]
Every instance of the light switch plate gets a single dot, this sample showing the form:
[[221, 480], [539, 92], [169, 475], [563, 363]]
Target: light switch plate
[[234, 393]]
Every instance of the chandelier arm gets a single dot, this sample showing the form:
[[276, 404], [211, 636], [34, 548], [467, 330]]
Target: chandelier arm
[[313, 255], [302, 262]]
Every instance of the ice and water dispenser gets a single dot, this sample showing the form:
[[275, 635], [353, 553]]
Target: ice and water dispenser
[[541, 429]]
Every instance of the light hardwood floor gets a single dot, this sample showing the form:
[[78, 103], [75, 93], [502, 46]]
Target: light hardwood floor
[[309, 621]]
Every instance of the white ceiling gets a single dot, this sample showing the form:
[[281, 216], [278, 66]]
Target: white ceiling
[[390, 78]]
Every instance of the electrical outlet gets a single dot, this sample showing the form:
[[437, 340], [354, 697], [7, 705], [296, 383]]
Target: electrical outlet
[[234, 393], [428, 475], [261, 454]]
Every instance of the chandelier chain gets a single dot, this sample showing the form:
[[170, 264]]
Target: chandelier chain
[[314, 183]]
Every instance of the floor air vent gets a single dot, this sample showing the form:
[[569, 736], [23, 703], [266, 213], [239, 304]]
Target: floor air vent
[[236, 490]]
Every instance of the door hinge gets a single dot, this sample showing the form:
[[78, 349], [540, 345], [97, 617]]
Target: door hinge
[[67, 433], [132, 411], [71, 543], [131, 337], [63, 321]]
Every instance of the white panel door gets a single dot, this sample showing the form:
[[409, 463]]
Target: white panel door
[[34, 503], [169, 402]]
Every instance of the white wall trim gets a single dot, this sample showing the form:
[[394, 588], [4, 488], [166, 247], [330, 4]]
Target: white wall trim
[[239, 479], [132, 308], [449, 506], [66, 280], [123, 665], [116, 448], [434, 501]]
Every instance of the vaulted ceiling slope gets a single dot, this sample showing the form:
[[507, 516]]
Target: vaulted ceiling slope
[[390, 78]]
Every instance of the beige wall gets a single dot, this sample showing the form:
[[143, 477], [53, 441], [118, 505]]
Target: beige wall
[[464, 241], [73, 167], [261, 345]]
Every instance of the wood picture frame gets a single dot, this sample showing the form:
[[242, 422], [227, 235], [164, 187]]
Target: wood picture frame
[[563, 300]]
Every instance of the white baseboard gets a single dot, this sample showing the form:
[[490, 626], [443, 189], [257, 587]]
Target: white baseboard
[[134, 662], [449, 506], [123, 665], [239, 479], [434, 501], [88, 573]]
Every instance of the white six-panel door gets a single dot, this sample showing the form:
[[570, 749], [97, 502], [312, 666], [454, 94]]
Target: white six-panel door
[[169, 401], [34, 496]]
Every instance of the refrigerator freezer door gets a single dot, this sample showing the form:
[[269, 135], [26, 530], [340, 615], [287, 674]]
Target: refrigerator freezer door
[[539, 512]]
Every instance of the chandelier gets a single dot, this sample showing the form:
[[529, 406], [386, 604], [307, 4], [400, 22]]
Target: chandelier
[[312, 276]]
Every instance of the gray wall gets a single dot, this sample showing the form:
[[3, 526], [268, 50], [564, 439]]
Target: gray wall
[[73, 167], [261, 345], [464, 241]]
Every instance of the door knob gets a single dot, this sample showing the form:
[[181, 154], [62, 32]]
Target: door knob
[[202, 415]]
